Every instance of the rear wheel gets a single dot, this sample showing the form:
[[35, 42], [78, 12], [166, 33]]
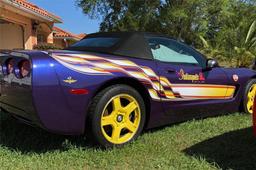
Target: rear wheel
[[117, 116], [249, 96]]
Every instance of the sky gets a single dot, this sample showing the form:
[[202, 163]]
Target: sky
[[73, 19]]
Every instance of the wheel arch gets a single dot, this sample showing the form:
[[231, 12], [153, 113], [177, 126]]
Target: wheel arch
[[132, 82], [241, 107]]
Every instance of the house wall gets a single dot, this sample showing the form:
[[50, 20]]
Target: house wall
[[63, 43], [45, 30], [50, 38], [29, 35]]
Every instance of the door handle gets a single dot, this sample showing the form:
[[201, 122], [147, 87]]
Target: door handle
[[169, 70]]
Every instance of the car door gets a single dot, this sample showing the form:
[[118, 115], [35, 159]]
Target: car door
[[186, 85]]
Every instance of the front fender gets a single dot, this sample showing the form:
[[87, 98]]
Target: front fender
[[244, 76]]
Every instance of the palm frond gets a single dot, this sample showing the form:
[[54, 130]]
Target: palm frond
[[205, 43], [251, 32]]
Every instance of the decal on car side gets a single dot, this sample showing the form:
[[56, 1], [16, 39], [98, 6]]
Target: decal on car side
[[235, 77], [70, 80], [192, 77], [158, 87]]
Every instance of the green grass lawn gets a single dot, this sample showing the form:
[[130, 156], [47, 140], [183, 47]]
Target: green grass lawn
[[224, 142]]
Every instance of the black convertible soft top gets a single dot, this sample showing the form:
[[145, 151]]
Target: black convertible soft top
[[131, 44]]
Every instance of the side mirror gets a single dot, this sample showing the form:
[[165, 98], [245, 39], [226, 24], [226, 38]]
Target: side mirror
[[211, 63]]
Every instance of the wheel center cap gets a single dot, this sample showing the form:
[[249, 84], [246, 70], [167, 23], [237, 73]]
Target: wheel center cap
[[119, 118]]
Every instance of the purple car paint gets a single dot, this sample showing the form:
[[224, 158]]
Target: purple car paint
[[45, 97]]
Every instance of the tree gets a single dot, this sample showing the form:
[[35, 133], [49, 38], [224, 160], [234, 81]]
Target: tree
[[177, 18], [122, 15], [244, 52], [223, 24]]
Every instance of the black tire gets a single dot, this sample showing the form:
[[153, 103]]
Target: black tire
[[245, 96], [97, 107]]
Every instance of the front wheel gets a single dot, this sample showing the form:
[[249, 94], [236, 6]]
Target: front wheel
[[250, 92], [117, 116]]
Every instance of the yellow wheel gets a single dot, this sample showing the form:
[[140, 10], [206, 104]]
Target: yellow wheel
[[250, 98], [117, 116], [120, 119]]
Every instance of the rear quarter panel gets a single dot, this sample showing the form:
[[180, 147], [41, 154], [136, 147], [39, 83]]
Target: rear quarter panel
[[63, 112]]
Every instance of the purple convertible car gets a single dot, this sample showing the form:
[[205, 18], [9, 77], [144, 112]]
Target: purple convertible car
[[111, 86]]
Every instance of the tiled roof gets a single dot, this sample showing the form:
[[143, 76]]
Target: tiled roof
[[36, 9], [81, 36], [60, 33]]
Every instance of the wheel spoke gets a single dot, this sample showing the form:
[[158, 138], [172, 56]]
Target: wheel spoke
[[251, 94], [249, 106], [107, 120], [117, 104], [252, 91], [131, 126], [116, 132], [130, 108]]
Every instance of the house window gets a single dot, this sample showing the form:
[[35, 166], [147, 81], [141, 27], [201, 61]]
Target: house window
[[41, 38]]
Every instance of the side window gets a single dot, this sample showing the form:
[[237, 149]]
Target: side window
[[168, 50]]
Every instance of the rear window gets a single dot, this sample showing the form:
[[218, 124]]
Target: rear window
[[97, 42]]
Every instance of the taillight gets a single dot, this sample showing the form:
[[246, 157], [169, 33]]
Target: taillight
[[23, 69], [8, 66]]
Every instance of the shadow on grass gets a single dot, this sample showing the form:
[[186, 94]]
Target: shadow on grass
[[232, 150], [26, 139]]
